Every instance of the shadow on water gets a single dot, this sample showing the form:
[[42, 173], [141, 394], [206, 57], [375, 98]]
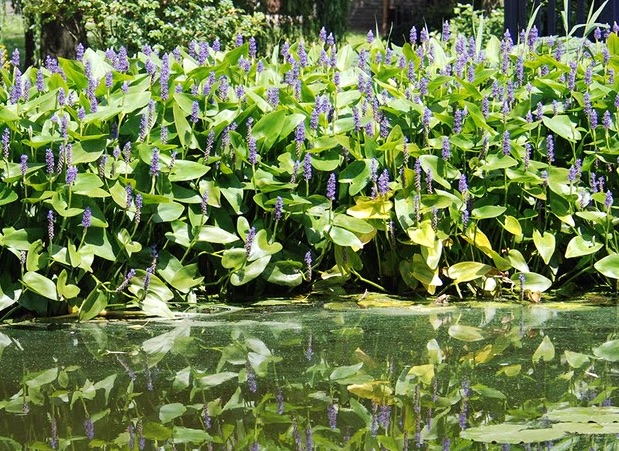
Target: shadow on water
[[332, 376]]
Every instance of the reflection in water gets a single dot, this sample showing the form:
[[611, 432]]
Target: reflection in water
[[317, 378]]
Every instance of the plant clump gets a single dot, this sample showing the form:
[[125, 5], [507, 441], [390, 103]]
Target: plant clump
[[141, 180]]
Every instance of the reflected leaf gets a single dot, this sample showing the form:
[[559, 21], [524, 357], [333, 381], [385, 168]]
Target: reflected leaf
[[465, 333], [213, 380], [187, 435], [576, 359], [377, 391], [168, 412], [608, 351], [545, 351]]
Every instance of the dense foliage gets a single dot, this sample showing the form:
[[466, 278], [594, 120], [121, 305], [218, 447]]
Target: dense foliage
[[136, 181]]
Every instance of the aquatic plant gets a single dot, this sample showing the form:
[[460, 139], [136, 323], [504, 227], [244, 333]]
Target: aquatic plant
[[237, 168]]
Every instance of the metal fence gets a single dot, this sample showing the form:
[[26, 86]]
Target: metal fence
[[548, 20]]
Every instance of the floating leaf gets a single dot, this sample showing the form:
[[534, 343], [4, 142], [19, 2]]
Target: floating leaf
[[511, 434]]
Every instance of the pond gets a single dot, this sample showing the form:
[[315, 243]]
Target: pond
[[328, 376]]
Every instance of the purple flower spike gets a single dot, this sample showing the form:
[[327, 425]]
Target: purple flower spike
[[138, 208], [550, 147], [6, 139], [307, 167], [608, 201], [331, 187], [446, 152], [383, 183], [50, 225], [195, 111], [87, 218], [24, 164], [71, 175], [506, 143], [279, 208], [370, 37], [154, 163], [308, 264]]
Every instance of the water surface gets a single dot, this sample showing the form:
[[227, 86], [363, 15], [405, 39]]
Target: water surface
[[334, 376]]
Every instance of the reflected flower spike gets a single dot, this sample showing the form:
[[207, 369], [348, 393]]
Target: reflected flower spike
[[332, 415], [89, 428], [279, 208], [252, 384], [87, 218], [279, 398], [309, 352]]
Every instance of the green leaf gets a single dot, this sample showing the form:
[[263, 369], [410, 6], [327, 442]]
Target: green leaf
[[579, 246], [608, 266], [545, 244], [250, 271], [512, 225], [465, 271], [488, 211], [562, 126], [214, 234], [184, 170], [465, 333], [545, 351], [40, 285], [183, 129], [93, 305], [345, 238], [269, 127], [284, 272], [532, 281]]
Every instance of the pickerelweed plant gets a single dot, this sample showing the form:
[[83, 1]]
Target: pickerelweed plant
[[137, 181]]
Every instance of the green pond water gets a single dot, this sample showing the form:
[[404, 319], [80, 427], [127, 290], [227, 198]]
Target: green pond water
[[321, 377]]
